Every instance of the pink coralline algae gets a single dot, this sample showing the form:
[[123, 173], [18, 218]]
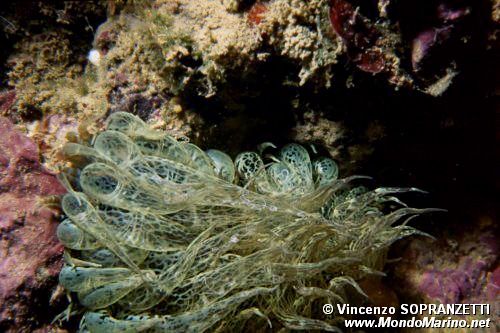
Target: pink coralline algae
[[450, 285], [7, 99], [445, 21], [462, 270], [424, 42], [30, 254]]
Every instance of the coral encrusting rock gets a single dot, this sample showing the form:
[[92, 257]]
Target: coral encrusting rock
[[42, 66], [45, 45], [40, 70], [370, 46], [30, 254], [177, 63], [413, 44], [461, 267]]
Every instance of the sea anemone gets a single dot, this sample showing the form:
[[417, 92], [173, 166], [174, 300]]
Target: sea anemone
[[162, 236]]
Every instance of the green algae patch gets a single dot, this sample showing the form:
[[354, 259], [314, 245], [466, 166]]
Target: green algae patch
[[162, 236]]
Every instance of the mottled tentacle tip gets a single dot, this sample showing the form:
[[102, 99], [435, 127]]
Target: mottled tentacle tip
[[69, 234], [198, 159], [282, 178], [99, 179], [325, 171], [82, 279], [223, 164], [248, 164], [125, 122], [74, 205], [96, 322], [116, 146], [99, 287], [103, 257], [75, 238], [109, 294], [297, 156]]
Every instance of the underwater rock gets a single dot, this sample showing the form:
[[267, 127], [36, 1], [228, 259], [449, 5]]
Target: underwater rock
[[371, 45], [7, 100], [430, 41], [433, 37], [41, 69], [204, 48], [48, 133], [30, 254], [169, 61], [316, 128], [360, 35], [256, 13], [458, 268]]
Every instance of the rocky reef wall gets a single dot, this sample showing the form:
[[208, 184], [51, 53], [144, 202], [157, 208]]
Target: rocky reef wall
[[402, 91]]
